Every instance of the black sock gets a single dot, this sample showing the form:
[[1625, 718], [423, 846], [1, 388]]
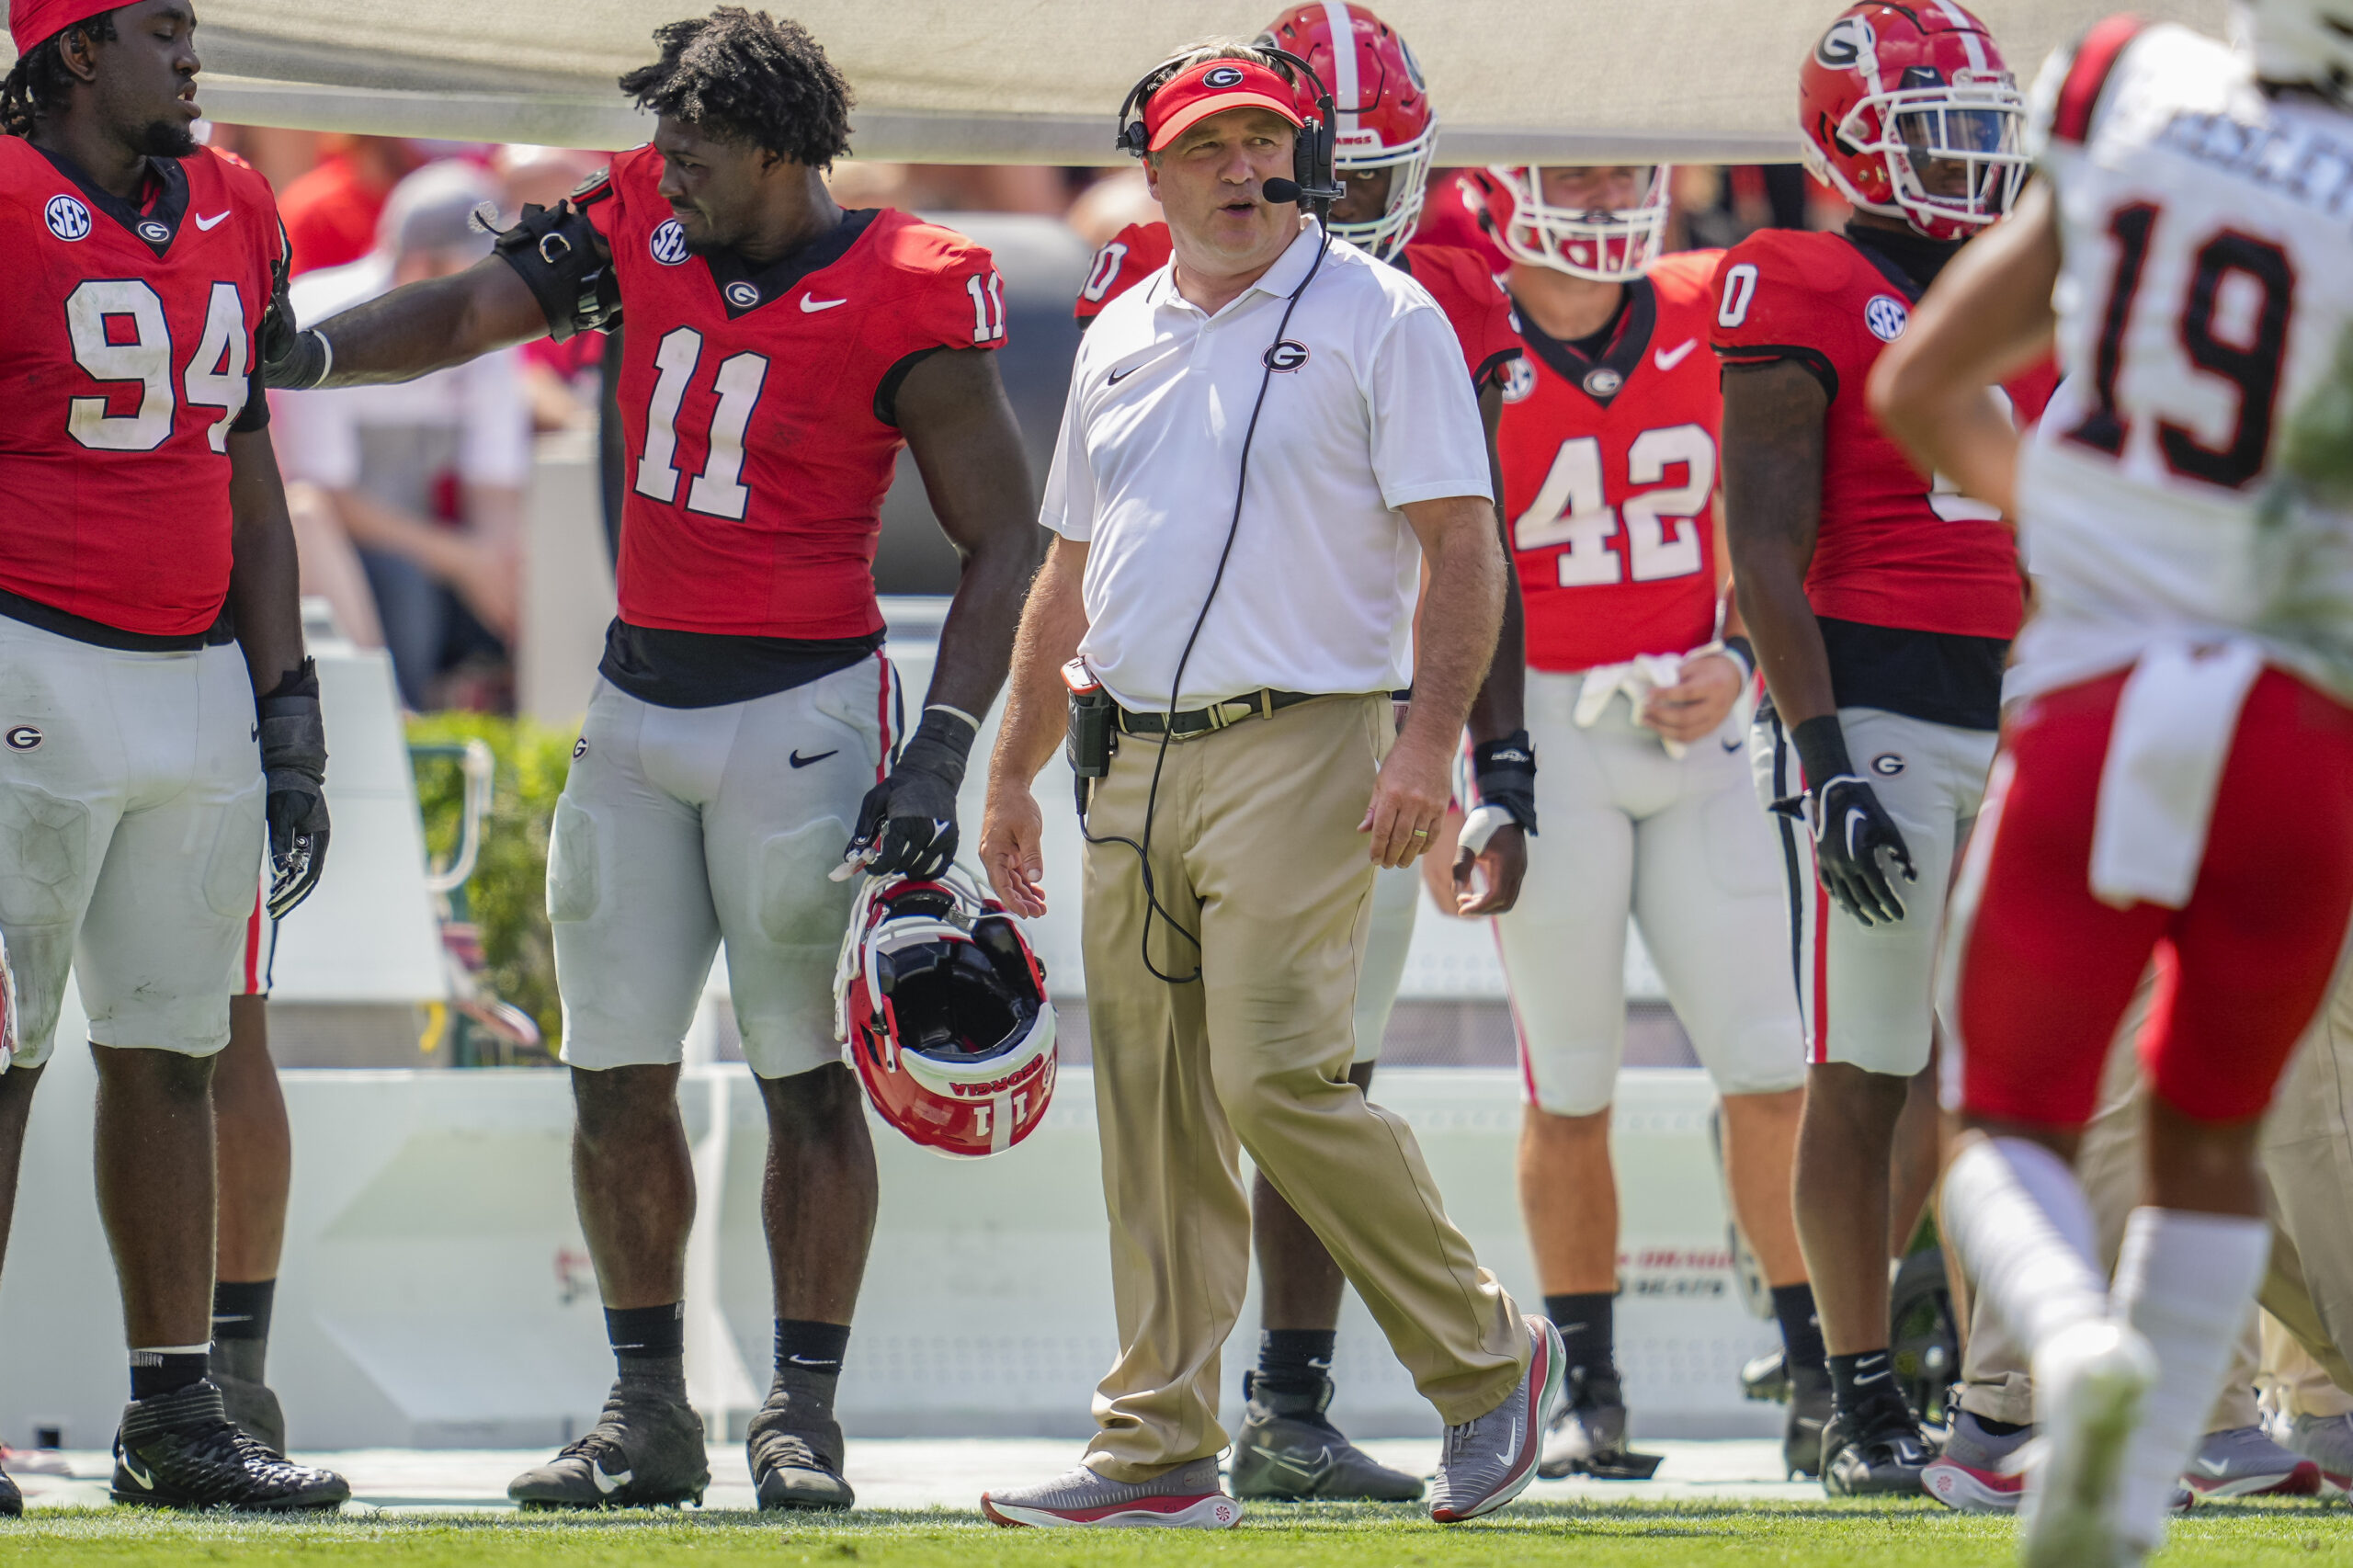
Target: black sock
[[1800, 1326], [1588, 1330], [157, 1372], [1294, 1361], [807, 1369], [1862, 1386], [241, 1308], [649, 1341]]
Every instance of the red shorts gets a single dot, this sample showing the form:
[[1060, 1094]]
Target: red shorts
[[2045, 970]]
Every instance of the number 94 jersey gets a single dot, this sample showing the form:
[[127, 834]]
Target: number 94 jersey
[[1610, 478], [2204, 304], [758, 408], [129, 332]]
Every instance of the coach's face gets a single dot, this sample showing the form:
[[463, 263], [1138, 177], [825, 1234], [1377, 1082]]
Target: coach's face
[[1209, 182], [145, 79], [716, 187]]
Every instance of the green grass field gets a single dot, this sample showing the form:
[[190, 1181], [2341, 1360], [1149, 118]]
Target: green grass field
[[1825, 1535]]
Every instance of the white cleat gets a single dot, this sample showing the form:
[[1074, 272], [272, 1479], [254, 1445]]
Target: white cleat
[[2090, 1380]]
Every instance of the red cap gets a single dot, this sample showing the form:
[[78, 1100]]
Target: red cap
[[1212, 87], [36, 21]]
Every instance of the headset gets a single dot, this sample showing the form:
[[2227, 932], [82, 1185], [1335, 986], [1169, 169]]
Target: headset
[[1313, 188]]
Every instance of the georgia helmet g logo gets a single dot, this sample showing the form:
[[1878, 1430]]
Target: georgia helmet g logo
[[67, 218], [1288, 355], [1224, 77], [668, 243], [1849, 43]]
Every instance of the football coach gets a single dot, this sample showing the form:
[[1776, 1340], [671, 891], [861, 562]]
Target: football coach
[[1263, 445]]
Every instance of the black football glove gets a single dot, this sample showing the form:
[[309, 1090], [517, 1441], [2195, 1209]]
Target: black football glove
[[1851, 830], [294, 761], [1505, 771], [286, 359], [906, 825]]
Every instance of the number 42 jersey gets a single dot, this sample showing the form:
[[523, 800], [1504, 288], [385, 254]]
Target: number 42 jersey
[[2204, 308], [129, 331], [759, 408]]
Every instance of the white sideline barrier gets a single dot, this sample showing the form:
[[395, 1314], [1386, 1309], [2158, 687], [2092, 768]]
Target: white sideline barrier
[[437, 1292]]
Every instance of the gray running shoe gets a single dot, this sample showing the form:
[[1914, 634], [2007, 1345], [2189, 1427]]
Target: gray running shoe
[[1978, 1472], [1588, 1438], [179, 1450], [2327, 1441], [2240, 1461], [1488, 1461], [1287, 1451], [645, 1452], [1185, 1498], [796, 1457]]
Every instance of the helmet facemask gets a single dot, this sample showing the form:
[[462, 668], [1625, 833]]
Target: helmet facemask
[[1972, 126], [1409, 176], [1606, 246]]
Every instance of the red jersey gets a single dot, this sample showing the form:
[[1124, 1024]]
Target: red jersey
[[129, 333], [1459, 280], [1610, 478], [1894, 550], [758, 407]]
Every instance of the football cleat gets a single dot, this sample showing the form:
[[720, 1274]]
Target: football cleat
[[12, 1498], [2089, 1381], [1185, 1498], [1809, 1398], [1287, 1451], [2241, 1462], [645, 1452], [1978, 1472], [1766, 1378], [1882, 1460], [1588, 1438], [180, 1450], [251, 1405], [1489, 1461], [796, 1458]]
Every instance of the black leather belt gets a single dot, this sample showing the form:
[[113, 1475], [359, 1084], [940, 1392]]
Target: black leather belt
[[1194, 722]]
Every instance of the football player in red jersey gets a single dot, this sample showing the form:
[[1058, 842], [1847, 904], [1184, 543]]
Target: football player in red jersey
[[1881, 603], [149, 635], [1286, 1447], [1634, 703], [779, 351]]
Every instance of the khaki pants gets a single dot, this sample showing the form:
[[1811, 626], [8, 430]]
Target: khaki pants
[[1255, 849]]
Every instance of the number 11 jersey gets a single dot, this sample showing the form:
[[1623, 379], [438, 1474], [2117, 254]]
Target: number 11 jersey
[[759, 408], [2185, 482]]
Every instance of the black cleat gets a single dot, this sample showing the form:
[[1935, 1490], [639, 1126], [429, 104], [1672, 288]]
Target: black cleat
[[1882, 1461], [645, 1452], [12, 1500], [1588, 1438], [796, 1457], [252, 1408], [1287, 1451], [1766, 1378], [180, 1450], [1809, 1397]]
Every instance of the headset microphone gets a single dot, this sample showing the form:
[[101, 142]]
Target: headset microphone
[[1282, 191]]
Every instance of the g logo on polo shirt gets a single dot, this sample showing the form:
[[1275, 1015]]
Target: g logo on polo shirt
[[1886, 317], [668, 243], [1887, 765], [1222, 77], [23, 737], [67, 218], [1288, 355]]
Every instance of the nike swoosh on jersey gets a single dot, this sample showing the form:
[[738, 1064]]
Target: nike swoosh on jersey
[[809, 303], [609, 1484], [1667, 358], [208, 224], [799, 761]]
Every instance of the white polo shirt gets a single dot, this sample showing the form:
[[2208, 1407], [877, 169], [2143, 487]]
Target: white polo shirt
[[1319, 596]]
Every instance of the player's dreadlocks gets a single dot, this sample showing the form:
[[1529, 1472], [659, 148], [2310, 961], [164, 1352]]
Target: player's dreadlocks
[[743, 77], [39, 83]]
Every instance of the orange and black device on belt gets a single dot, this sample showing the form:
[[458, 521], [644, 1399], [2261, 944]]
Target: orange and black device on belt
[[1090, 742]]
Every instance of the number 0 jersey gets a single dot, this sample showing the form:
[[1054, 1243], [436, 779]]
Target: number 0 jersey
[[129, 331], [2203, 306], [758, 408], [1610, 478], [1461, 281]]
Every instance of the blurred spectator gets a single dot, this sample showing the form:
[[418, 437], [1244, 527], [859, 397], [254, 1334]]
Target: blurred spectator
[[426, 478], [331, 212], [951, 188], [1111, 204], [561, 379]]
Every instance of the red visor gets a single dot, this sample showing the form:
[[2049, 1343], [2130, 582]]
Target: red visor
[[1211, 88], [36, 21]]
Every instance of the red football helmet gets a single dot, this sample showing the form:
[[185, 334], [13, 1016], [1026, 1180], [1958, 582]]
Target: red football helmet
[[1607, 244], [943, 1011], [1891, 91], [1385, 118]]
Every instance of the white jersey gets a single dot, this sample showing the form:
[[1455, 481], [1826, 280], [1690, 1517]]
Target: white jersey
[[2202, 304]]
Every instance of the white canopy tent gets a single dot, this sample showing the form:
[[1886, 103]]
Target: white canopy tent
[[1038, 81]]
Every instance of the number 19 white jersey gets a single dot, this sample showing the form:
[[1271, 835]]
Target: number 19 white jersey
[[2204, 294]]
